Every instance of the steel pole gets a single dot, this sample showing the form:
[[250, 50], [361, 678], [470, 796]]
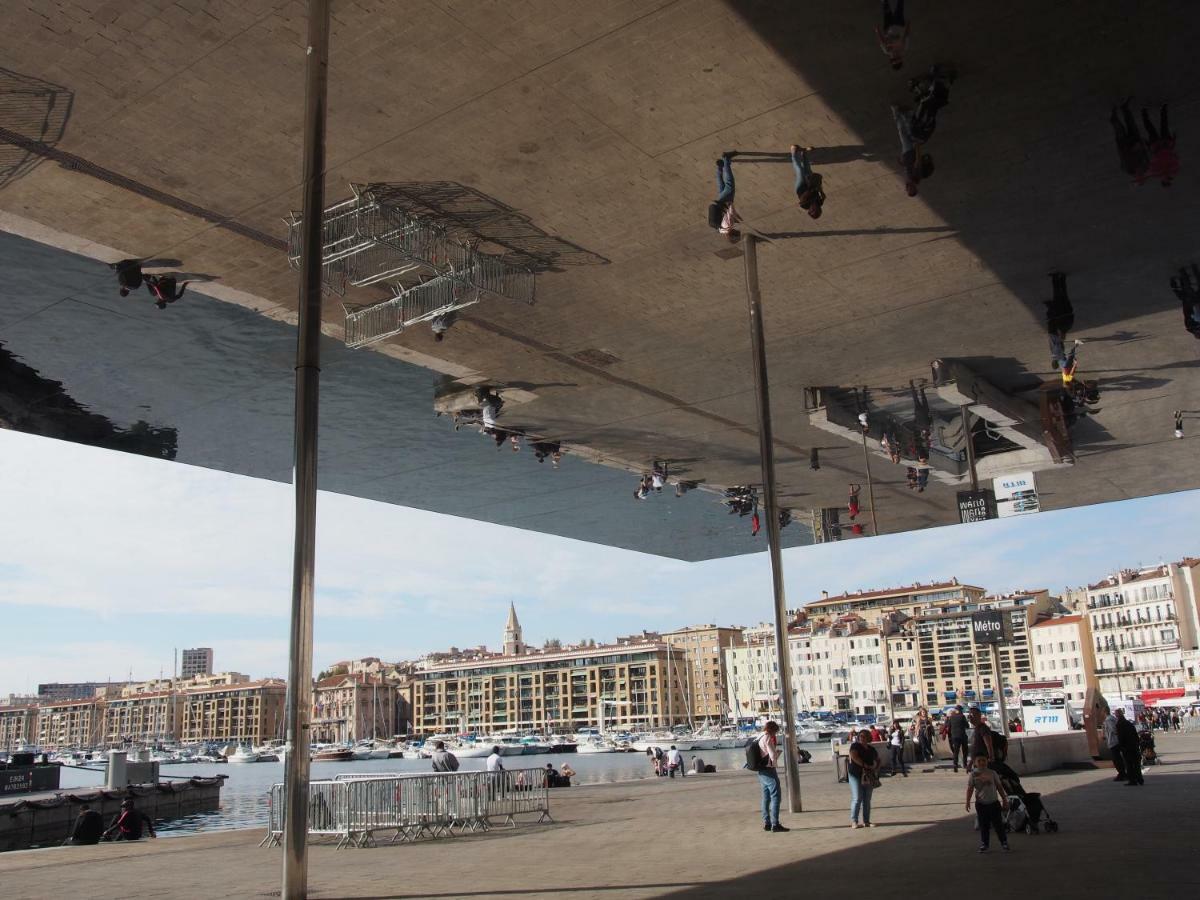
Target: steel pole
[[304, 474], [965, 410], [766, 443], [870, 483], [1000, 688]]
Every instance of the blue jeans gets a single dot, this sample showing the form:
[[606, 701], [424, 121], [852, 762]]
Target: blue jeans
[[803, 169], [860, 799], [724, 180], [769, 779]]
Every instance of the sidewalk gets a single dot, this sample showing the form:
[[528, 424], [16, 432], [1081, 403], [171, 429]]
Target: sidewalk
[[701, 837]]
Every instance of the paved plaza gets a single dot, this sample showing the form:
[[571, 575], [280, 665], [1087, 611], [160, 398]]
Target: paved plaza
[[589, 130], [701, 838]]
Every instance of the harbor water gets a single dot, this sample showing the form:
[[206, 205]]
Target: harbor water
[[244, 796]]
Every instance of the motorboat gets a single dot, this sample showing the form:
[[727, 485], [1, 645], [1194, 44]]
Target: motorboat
[[244, 754], [470, 749], [333, 754], [596, 744]]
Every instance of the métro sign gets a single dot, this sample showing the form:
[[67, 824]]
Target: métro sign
[[990, 627]]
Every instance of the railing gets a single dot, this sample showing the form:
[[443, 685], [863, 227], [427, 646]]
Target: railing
[[353, 808]]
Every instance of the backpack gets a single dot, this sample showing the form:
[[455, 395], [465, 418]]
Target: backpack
[[754, 757], [715, 212], [1000, 746]]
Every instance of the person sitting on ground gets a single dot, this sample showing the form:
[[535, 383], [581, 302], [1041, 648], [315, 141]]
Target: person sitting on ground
[[808, 183], [443, 759], [553, 779], [567, 773], [89, 826], [128, 824], [697, 766]]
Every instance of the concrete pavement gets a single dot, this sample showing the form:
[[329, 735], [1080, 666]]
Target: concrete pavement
[[702, 837]]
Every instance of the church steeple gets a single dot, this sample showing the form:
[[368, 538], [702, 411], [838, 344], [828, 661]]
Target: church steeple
[[513, 645]]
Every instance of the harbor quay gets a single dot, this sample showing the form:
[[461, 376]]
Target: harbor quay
[[700, 837]]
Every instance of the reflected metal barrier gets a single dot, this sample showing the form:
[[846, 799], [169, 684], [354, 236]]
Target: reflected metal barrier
[[354, 808]]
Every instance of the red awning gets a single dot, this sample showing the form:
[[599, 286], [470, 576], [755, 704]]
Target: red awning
[[1152, 697]]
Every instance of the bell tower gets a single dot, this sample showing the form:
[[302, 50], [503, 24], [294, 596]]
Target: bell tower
[[513, 645]]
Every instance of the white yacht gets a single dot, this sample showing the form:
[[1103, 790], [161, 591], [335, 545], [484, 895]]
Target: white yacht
[[244, 754]]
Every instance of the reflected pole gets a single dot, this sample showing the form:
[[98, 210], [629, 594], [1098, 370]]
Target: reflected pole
[[766, 442], [965, 411], [870, 482], [304, 473]]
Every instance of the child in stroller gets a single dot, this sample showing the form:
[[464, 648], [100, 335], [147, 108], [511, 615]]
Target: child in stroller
[[1146, 745], [1026, 812]]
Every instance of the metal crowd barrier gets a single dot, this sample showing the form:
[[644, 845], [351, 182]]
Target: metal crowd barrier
[[354, 808]]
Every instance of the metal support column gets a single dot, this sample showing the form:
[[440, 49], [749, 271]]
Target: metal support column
[[999, 678], [969, 436], [304, 473], [766, 443]]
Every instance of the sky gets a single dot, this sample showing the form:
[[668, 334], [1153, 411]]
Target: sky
[[108, 562]]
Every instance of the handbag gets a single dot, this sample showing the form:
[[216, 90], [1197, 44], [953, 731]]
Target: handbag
[[871, 777]]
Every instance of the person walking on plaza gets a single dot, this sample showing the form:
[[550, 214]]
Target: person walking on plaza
[[1131, 149], [768, 777], [443, 759], [128, 824], [88, 828], [956, 734], [808, 184], [896, 747], [1113, 741], [982, 743], [863, 774], [989, 800], [1131, 749], [1164, 161], [893, 36], [721, 214]]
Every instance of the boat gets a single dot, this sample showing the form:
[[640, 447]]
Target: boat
[[333, 754], [596, 744], [561, 743], [244, 754]]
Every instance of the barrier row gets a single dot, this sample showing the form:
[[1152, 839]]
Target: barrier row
[[354, 808]]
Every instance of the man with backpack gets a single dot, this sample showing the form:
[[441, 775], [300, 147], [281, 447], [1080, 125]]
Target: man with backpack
[[761, 758], [956, 734]]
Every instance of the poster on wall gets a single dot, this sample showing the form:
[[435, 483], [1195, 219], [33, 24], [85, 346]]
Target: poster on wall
[[1016, 495]]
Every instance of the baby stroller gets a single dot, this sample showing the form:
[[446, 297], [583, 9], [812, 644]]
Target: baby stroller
[[1146, 745], [1026, 812]]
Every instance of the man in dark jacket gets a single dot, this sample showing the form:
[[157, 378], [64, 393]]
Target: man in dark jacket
[[89, 826], [956, 734], [127, 826], [1131, 749]]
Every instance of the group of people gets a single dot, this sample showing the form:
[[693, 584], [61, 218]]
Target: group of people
[[1125, 745], [667, 763], [166, 287], [485, 415], [127, 825], [1151, 157]]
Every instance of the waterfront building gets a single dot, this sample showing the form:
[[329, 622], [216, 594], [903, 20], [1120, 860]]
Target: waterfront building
[[955, 669], [77, 690], [350, 708], [142, 717], [18, 727], [698, 658], [70, 724], [1142, 621], [911, 600], [251, 712], [18, 700], [752, 676], [196, 661], [1062, 651]]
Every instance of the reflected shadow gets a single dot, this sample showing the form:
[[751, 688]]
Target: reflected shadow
[[34, 109], [468, 213], [37, 405]]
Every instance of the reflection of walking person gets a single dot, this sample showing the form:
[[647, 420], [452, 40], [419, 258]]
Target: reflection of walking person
[[1164, 161], [808, 184], [1131, 149], [1187, 290], [721, 214], [989, 799], [852, 502], [893, 37], [1179, 423], [165, 288], [917, 165]]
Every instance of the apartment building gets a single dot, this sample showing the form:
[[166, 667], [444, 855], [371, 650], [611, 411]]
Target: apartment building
[[697, 657], [1062, 651], [875, 605], [196, 661], [252, 712], [353, 708], [148, 717], [69, 724], [955, 669], [1142, 621], [18, 726]]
